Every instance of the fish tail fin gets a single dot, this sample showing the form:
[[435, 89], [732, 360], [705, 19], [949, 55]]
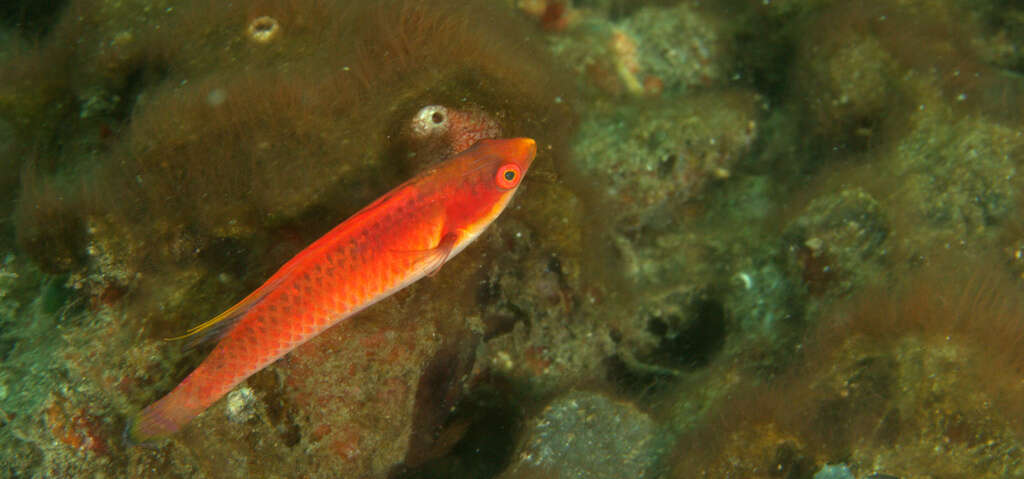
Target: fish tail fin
[[161, 419]]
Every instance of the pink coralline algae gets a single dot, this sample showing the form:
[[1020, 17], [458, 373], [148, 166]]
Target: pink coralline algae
[[455, 129]]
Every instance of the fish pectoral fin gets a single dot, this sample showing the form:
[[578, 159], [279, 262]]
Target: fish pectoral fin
[[432, 259], [218, 325], [443, 250]]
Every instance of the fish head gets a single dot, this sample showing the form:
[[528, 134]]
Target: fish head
[[490, 173], [509, 159]]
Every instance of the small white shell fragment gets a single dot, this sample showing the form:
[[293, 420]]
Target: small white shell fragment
[[431, 121], [263, 29], [240, 404]]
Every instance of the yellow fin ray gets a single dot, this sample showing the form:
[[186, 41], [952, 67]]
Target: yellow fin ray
[[223, 321]]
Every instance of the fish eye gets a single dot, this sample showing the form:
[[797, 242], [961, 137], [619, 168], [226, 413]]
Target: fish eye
[[507, 176]]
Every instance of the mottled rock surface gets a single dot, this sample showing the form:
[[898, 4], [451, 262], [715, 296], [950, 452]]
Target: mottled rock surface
[[589, 435]]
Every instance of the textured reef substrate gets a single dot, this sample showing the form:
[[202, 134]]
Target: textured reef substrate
[[777, 240]]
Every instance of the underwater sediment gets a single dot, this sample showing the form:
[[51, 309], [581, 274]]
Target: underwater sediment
[[760, 239]]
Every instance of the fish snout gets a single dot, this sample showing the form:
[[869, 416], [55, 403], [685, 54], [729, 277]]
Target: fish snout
[[525, 151]]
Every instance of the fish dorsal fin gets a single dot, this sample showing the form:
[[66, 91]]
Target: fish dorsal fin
[[218, 325]]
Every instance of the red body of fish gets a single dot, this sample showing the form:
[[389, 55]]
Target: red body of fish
[[404, 235]]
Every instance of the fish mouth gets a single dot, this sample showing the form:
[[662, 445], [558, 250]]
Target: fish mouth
[[527, 151]]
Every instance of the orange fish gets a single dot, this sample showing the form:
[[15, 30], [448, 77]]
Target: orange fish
[[401, 237]]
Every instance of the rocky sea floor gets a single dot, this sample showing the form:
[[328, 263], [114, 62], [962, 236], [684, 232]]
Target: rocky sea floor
[[761, 239]]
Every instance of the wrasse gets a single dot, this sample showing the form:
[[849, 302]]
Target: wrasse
[[408, 233]]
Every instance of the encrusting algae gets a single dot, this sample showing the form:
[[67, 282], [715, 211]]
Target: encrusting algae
[[211, 165]]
